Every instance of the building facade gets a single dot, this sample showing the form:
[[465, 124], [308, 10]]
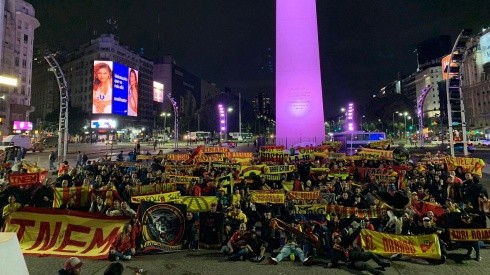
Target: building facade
[[476, 84], [18, 25], [188, 90]]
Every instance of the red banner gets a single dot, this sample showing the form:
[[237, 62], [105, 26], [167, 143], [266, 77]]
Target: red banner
[[64, 233], [17, 179]]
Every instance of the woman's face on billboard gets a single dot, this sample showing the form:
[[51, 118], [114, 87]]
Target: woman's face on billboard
[[103, 74], [132, 78]]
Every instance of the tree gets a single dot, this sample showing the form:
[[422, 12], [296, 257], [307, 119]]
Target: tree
[[77, 118]]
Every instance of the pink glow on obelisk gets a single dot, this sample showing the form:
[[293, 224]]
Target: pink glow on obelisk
[[299, 101]]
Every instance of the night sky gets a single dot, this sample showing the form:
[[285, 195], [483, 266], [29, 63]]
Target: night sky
[[363, 44]]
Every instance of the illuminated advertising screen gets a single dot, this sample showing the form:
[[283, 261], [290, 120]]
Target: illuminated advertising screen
[[103, 124], [102, 87], [115, 89], [22, 125], [133, 92], [485, 47], [158, 89], [120, 90]]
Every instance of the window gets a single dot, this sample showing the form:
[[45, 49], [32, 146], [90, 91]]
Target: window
[[17, 62], [24, 63], [26, 38]]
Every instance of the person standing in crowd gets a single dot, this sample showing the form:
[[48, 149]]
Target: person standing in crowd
[[190, 232], [10, 208], [43, 196], [52, 158], [79, 159], [72, 266], [468, 223], [124, 245]]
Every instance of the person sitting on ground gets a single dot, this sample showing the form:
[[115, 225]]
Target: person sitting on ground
[[236, 246], [256, 247], [123, 246], [291, 247], [344, 251], [72, 266]]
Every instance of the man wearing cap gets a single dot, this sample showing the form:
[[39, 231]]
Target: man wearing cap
[[428, 228], [72, 266], [354, 257]]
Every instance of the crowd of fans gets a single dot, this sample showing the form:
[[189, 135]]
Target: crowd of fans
[[249, 230]]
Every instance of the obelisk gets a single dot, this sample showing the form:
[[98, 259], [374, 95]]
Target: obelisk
[[299, 100]]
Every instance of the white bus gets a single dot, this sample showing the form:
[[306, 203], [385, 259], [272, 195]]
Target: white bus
[[197, 136], [352, 141], [245, 136]]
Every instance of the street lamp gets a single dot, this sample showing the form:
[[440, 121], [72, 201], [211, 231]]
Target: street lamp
[[229, 110], [165, 115], [363, 116], [405, 114], [394, 131], [382, 126]]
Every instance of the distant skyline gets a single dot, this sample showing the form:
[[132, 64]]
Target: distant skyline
[[363, 44]]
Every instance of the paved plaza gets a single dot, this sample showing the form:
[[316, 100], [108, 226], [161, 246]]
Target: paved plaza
[[209, 262]]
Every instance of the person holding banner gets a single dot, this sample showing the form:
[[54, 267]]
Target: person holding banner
[[10, 208], [354, 257], [123, 246]]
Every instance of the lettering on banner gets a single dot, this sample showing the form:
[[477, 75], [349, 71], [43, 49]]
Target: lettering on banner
[[469, 234], [270, 156], [302, 157], [64, 234], [279, 169]]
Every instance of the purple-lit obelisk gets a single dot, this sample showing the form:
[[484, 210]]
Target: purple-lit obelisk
[[299, 101]]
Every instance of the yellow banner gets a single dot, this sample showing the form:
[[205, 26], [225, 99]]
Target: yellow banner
[[272, 177], [471, 165], [240, 155], [469, 235], [165, 197], [215, 149], [381, 144], [267, 197], [423, 246], [279, 169], [273, 156], [64, 233], [313, 209], [151, 189], [297, 195], [181, 179], [375, 154], [248, 170], [63, 195], [288, 185], [198, 204], [215, 157], [319, 170], [302, 157], [178, 157]]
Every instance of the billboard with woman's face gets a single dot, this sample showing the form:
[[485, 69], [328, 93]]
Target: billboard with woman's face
[[115, 89], [102, 87]]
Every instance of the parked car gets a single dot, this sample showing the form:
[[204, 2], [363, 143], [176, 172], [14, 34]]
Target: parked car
[[37, 147], [50, 142], [458, 147]]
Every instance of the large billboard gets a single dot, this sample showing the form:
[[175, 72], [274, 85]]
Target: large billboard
[[485, 47], [158, 91], [103, 124], [115, 89], [22, 125]]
